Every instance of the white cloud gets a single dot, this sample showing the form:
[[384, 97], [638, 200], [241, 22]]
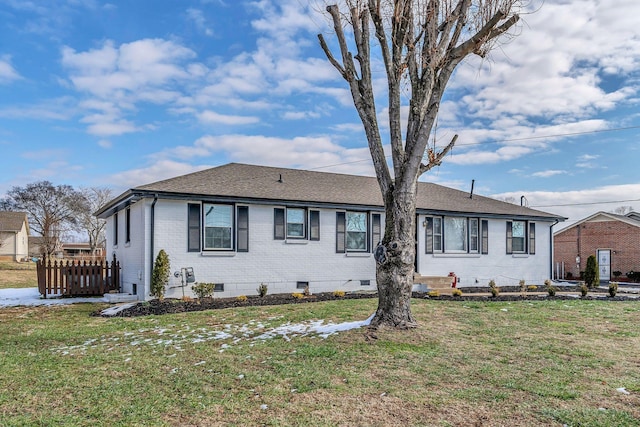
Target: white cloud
[[105, 143], [211, 117], [160, 170], [8, 73], [548, 173], [197, 17], [578, 204]]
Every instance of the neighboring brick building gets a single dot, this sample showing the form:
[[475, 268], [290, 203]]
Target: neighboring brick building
[[614, 239]]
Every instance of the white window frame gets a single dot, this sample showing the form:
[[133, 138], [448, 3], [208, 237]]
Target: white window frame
[[302, 222], [207, 210], [365, 231], [523, 237]]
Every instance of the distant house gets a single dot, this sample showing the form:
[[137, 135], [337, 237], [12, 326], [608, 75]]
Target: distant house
[[14, 236], [240, 225], [80, 251], [613, 239]]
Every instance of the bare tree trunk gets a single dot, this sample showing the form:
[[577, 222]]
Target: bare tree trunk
[[394, 275], [421, 41]]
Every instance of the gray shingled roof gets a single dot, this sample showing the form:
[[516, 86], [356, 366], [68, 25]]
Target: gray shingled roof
[[241, 181], [12, 221]]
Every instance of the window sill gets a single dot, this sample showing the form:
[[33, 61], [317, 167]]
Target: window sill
[[296, 242], [455, 255], [520, 255], [358, 254], [219, 254]]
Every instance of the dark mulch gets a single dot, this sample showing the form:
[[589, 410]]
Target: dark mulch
[[167, 306]]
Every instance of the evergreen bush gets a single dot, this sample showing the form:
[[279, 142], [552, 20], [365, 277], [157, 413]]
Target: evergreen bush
[[591, 273], [160, 275]]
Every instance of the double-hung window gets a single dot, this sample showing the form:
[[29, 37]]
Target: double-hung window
[[356, 228], [455, 235], [296, 223], [521, 237], [352, 231], [218, 227]]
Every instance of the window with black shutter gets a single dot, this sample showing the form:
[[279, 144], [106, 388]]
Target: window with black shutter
[[243, 229], [278, 224], [193, 231]]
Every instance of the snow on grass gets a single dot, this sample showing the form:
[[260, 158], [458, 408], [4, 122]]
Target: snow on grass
[[13, 297], [174, 337]]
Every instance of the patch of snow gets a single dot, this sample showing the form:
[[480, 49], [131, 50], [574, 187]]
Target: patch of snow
[[13, 297], [622, 390]]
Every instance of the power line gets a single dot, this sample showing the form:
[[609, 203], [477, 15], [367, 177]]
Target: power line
[[526, 138], [586, 203]]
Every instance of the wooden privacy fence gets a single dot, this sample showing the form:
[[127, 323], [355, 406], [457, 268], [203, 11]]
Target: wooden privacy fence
[[77, 278]]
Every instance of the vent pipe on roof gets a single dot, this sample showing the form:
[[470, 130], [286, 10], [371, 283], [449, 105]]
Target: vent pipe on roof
[[473, 181], [280, 179]]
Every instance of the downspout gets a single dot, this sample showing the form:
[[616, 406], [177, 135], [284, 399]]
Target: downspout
[[151, 238], [551, 245]]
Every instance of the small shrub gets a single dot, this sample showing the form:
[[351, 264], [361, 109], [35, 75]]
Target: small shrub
[[523, 286], [592, 272], [617, 274], [584, 289], [551, 290], [187, 298], [568, 275], [613, 289], [160, 275], [532, 288], [339, 294], [456, 293], [297, 295], [306, 291], [203, 290], [433, 294], [495, 291], [634, 276], [262, 290], [241, 298]]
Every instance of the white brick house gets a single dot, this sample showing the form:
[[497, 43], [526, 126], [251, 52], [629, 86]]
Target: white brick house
[[241, 225]]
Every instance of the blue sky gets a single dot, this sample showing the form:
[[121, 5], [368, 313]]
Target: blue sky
[[122, 93]]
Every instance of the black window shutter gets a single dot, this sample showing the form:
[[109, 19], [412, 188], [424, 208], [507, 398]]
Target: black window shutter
[[278, 224], [376, 230], [509, 237], [532, 239], [428, 241], [485, 236], [115, 229], [193, 232], [127, 225], [340, 232], [314, 225], [243, 229]]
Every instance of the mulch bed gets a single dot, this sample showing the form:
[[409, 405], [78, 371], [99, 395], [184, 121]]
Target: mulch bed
[[169, 305]]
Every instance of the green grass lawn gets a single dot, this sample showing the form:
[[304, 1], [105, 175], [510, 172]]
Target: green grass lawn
[[469, 363], [18, 275]]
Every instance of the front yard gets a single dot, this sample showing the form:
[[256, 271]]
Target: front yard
[[469, 363], [18, 275]]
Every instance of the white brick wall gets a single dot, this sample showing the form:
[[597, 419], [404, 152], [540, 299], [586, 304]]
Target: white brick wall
[[280, 264], [477, 270]]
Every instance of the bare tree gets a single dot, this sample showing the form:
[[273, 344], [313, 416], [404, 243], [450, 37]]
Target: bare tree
[[623, 210], [95, 198], [52, 210], [420, 44]]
